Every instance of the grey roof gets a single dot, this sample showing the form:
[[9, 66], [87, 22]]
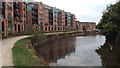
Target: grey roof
[[50, 7], [47, 6]]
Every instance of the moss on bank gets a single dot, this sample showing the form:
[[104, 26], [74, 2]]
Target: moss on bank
[[22, 56]]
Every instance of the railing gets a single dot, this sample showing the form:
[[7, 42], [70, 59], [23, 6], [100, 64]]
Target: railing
[[9, 8], [34, 14], [16, 6], [59, 24], [35, 19], [17, 13], [17, 20], [34, 8]]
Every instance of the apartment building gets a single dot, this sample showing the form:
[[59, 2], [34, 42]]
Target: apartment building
[[13, 17], [48, 18], [88, 25], [16, 15]]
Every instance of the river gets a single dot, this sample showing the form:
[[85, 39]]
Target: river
[[72, 51]]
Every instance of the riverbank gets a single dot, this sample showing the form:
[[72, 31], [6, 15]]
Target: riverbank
[[25, 56], [22, 56]]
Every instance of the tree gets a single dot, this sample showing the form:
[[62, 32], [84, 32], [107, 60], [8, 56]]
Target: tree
[[110, 22], [85, 27]]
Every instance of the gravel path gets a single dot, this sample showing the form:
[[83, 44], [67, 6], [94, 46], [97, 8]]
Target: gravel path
[[7, 45]]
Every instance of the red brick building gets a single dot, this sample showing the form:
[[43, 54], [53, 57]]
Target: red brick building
[[47, 18], [88, 25], [13, 17]]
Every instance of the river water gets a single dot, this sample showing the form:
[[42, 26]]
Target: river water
[[72, 51]]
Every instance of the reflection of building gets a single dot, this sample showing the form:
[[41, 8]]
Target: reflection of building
[[59, 48], [109, 54], [89, 25]]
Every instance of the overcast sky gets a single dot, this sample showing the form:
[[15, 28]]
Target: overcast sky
[[85, 10]]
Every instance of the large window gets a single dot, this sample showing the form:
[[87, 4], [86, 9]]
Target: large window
[[9, 26], [2, 26], [41, 18], [9, 6], [41, 13], [9, 22], [15, 27], [18, 28], [29, 7], [41, 26], [41, 8], [0, 9]]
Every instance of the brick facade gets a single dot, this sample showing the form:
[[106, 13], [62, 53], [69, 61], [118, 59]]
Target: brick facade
[[15, 16], [89, 25]]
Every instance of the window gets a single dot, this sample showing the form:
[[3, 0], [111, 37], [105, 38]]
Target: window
[[41, 8], [41, 18], [45, 28], [46, 10], [41, 13], [18, 28], [29, 7], [41, 26], [9, 26], [15, 27], [46, 14], [55, 20], [2, 26], [8, 4]]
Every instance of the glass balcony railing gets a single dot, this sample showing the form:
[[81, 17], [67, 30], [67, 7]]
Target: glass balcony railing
[[59, 24], [17, 14], [9, 8], [34, 8], [34, 19], [34, 14]]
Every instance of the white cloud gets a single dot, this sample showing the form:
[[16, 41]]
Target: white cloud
[[86, 8]]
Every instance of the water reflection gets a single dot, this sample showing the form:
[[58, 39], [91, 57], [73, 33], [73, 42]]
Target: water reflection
[[109, 53], [52, 50], [71, 51]]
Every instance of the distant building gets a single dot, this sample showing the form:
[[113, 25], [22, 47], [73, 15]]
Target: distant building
[[47, 18], [88, 25]]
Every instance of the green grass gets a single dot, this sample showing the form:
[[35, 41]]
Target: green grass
[[22, 56]]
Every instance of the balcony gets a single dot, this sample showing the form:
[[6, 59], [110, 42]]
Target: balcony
[[9, 8], [17, 6], [34, 8], [34, 19], [34, 14], [41, 18], [17, 14], [59, 24], [16, 20], [24, 9]]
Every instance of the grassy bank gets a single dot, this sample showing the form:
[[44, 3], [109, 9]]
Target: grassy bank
[[22, 56]]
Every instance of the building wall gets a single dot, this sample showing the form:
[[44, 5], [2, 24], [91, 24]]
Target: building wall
[[15, 16], [89, 25], [12, 17]]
